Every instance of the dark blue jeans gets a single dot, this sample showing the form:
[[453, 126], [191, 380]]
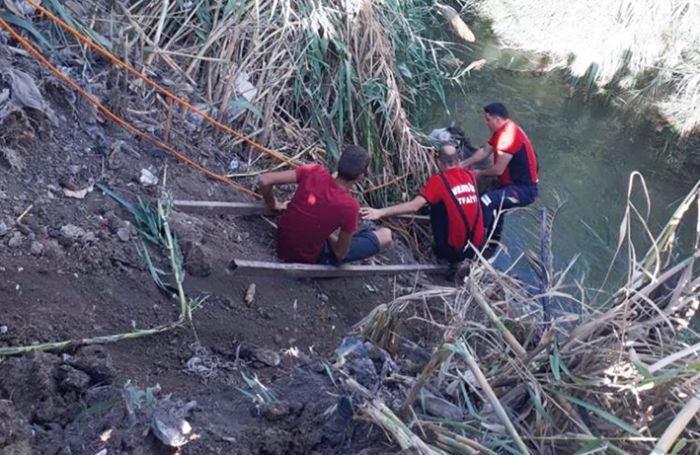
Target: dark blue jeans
[[504, 198], [364, 244]]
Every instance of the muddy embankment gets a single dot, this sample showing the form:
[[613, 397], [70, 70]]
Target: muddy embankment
[[71, 267]]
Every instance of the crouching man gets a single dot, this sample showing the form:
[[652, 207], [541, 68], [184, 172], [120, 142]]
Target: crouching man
[[515, 165], [320, 223], [455, 212]]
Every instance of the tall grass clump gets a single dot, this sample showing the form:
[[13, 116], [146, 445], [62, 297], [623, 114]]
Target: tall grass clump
[[299, 76], [514, 368], [649, 48]]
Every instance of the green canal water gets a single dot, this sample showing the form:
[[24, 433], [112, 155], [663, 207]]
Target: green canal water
[[587, 151]]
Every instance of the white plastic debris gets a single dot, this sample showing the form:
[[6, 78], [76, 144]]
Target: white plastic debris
[[170, 427], [78, 194], [148, 178], [234, 165], [440, 134], [244, 87]]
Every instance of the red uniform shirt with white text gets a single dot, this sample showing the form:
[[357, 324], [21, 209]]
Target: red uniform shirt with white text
[[522, 168], [463, 186]]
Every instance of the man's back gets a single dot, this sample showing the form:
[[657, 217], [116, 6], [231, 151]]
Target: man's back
[[522, 168], [319, 206], [463, 186]]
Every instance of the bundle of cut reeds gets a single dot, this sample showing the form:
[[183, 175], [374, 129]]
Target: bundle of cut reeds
[[619, 374]]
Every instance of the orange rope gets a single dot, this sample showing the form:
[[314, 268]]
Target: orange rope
[[389, 183], [158, 87], [125, 124]]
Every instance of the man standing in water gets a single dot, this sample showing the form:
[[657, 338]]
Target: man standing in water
[[515, 164], [455, 213], [319, 224]]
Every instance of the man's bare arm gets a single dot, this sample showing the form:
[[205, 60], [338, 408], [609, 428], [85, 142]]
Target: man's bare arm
[[411, 206], [480, 155], [340, 244], [498, 167], [269, 180]]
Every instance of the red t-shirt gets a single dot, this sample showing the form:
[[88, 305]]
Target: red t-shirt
[[319, 206], [522, 168], [463, 186]]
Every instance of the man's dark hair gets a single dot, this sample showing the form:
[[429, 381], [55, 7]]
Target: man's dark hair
[[497, 109], [353, 162], [447, 154]]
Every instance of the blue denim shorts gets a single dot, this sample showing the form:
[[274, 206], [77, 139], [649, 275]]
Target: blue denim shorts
[[364, 244]]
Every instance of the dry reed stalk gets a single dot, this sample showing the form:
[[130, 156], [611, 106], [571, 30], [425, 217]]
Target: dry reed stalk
[[458, 26], [448, 439], [663, 446], [375, 53], [381, 415], [507, 335], [663, 363], [435, 361], [464, 350]]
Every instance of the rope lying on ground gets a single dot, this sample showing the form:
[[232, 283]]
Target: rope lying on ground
[[124, 123], [109, 56]]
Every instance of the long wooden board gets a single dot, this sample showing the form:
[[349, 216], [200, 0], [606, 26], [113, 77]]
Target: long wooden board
[[327, 271], [223, 208], [243, 209]]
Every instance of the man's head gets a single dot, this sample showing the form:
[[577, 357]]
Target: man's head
[[495, 114], [447, 156], [353, 163]]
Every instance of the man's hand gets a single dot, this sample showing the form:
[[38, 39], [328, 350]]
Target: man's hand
[[370, 214], [479, 155], [280, 206]]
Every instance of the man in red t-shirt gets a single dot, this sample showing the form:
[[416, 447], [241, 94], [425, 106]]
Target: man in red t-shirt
[[515, 164], [319, 223], [455, 213]]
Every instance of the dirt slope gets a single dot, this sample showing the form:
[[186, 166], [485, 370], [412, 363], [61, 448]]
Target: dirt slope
[[70, 268]]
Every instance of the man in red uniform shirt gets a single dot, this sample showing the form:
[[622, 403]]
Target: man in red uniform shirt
[[319, 223], [455, 213], [515, 164]]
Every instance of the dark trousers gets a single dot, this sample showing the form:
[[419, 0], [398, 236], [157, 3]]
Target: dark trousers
[[440, 226], [504, 198]]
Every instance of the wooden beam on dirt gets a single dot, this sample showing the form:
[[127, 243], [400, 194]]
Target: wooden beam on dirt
[[223, 208], [245, 209], [328, 271]]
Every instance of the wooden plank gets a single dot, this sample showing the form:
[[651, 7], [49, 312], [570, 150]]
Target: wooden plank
[[326, 271], [245, 209], [223, 208]]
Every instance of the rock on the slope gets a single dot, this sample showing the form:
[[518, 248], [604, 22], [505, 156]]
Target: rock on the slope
[[36, 248], [197, 260]]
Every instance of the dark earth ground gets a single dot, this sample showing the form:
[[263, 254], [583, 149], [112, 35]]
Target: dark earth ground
[[69, 268]]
